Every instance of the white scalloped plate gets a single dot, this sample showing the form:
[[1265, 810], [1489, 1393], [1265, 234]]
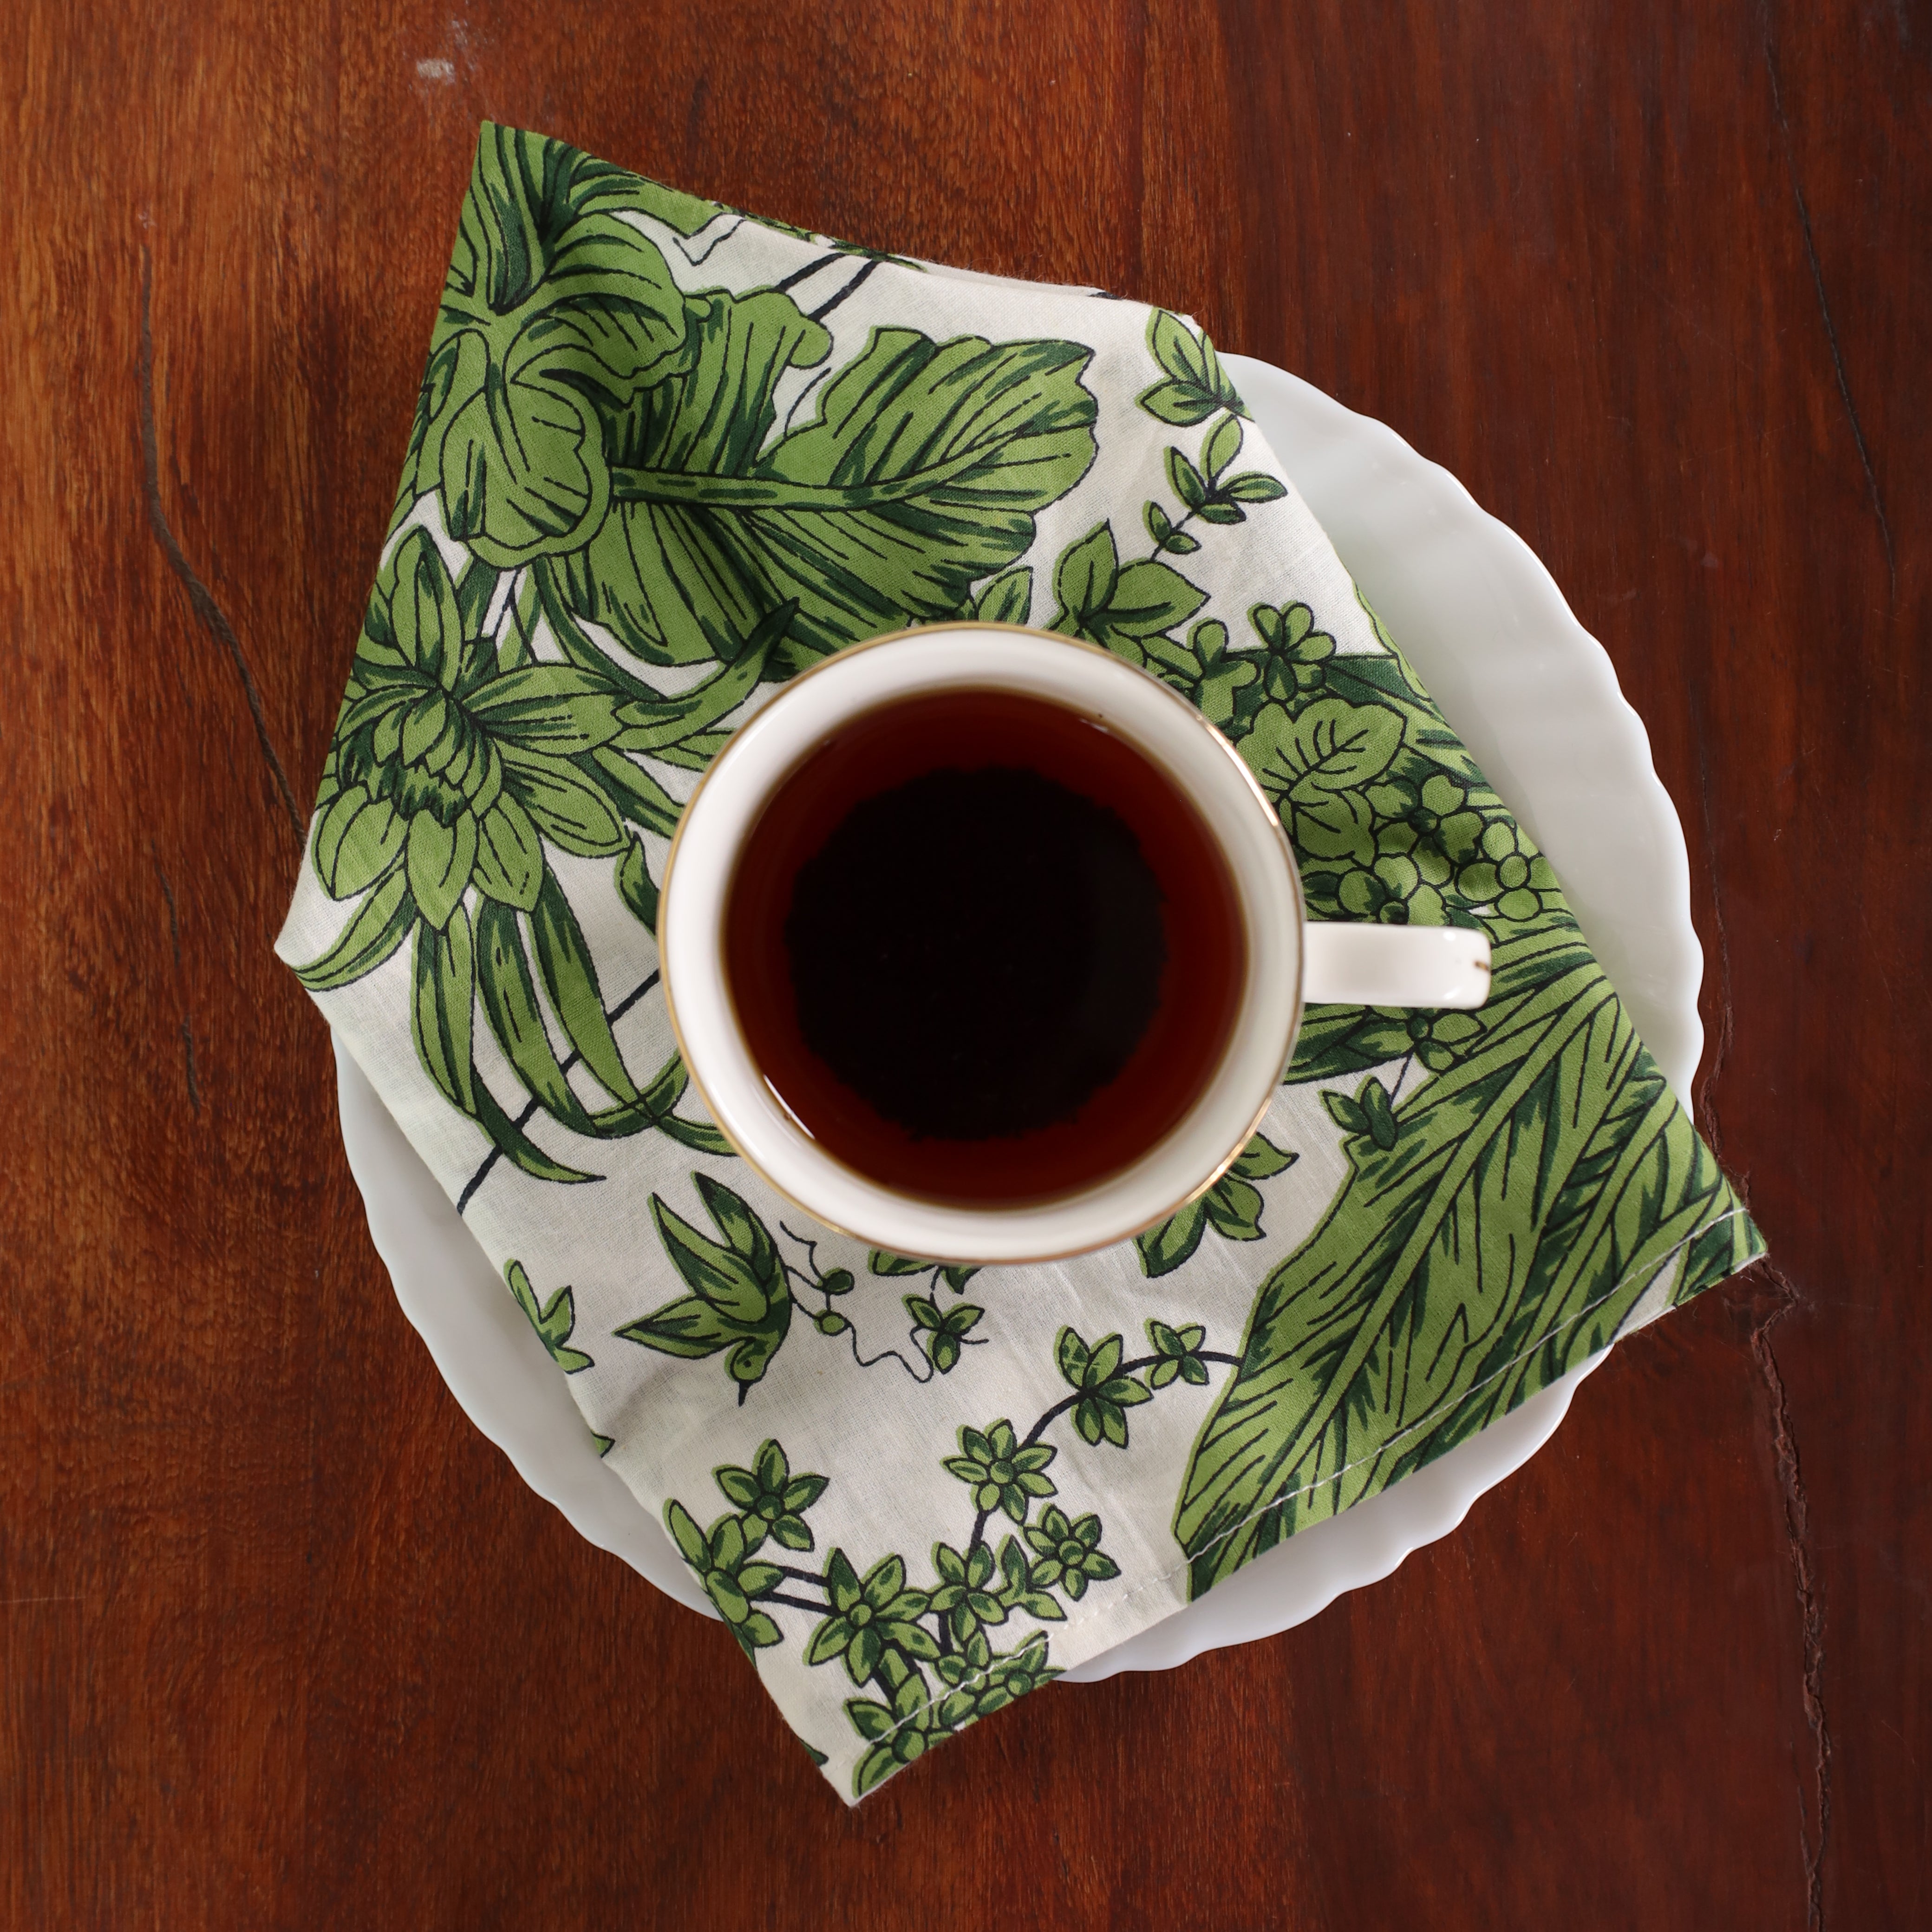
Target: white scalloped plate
[[1535, 699]]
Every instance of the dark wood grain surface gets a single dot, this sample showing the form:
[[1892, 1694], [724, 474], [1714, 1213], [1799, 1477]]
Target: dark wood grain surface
[[283, 1641]]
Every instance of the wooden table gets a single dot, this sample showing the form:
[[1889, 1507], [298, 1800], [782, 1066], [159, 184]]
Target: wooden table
[[283, 1641]]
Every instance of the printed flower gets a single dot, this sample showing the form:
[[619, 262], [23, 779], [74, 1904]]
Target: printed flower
[[721, 1561], [963, 1595], [985, 1682], [901, 1730], [942, 1335], [1105, 1395], [1437, 1039], [770, 1493], [869, 1615], [1000, 1474], [447, 765], [1014, 1676], [1510, 874], [1023, 1590], [1179, 1351], [1392, 890], [1298, 653], [1431, 824], [1225, 688], [1070, 1554]]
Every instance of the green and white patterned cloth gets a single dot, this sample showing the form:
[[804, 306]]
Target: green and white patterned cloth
[[665, 456]]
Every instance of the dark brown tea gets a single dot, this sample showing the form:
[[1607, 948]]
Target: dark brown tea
[[983, 949]]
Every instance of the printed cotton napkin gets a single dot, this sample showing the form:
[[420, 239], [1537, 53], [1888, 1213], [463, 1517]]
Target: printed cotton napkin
[[667, 454]]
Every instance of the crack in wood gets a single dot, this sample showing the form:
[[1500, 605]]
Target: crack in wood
[[188, 1048], [1830, 329], [1813, 1830], [200, 599], [1788, 1472]]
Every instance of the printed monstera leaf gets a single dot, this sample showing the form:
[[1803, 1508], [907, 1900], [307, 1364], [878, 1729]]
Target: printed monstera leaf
[[582, 412], [555, 311], [920, 476]]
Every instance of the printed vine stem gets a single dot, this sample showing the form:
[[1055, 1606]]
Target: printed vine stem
[[819, 1610], [1174, 531], [815, 1282], [1073, 1401]]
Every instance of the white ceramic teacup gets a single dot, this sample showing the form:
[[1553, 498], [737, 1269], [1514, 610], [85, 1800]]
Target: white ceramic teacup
[[1291, 961]]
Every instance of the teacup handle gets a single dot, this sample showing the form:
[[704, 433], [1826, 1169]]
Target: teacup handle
[[1365, 965]]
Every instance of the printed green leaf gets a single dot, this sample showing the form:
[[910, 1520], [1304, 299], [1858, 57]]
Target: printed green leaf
[[1083, 578], [440, 1012], [1180, 403], [1253, 486], [1150, 597], [553, 1320], [1176, 350], [686, 1533], [919, 476], [1329, 746], [1164, 1248], [740, 1300], [1223, 445], [1187, 482], [509, 861], [1008, 599], [1116, 605], [553, 309], [384, 921], [1071, 1354], [758, 1632], [1235, 1208], [1534, 1191], [358, 837], [676, 584], [564, 804], [869, 1720], [1380, 1116], [562, 708], [636, 887], [1262, 1158], [1333, 825], [684, 213], [425, 614], [570, 978], [1193, 385], [439, 858]]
